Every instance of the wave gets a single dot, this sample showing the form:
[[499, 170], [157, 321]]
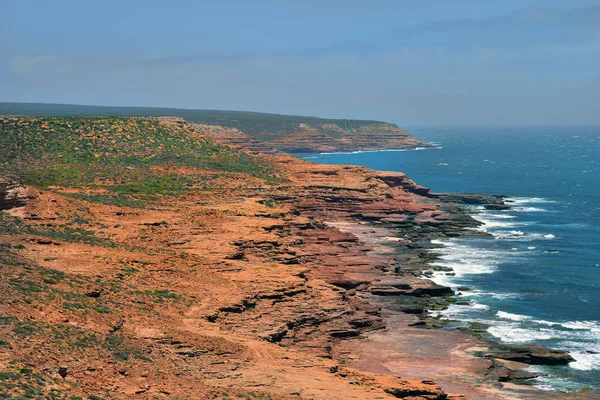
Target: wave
[[503, 295], [503, 226], [490, 222], [592, 326], [549, 382], [480, 293], [529, 209], [528, 204], [581, 347], [427, 148], [580, 339], [512, 317], [498, 216], [510, 333], [585, 360], [516, 243], [464, 259], [528, 200], [376, 151], [522, 236]]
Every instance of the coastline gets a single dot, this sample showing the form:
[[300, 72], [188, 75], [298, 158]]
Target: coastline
[[407, 280], [499, 372], [310, 287], [495, 312], [424, 146]]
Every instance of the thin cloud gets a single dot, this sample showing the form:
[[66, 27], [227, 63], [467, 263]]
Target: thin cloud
[[515, 68]]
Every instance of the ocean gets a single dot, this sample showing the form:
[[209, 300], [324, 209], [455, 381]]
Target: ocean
[[536, 279]]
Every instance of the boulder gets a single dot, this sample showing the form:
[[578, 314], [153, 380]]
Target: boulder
[[505, 371], [498, 207], [530, 354], [12, 194], [409, 389], [432, 290], [387, 291]]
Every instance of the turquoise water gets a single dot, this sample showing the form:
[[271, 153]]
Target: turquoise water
[[537, 279]]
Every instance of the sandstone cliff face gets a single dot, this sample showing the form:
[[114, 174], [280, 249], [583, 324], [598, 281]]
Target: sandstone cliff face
[[258, 132], [14, 195], [236, 285], [332, 137], [236, 138], [317, 137]]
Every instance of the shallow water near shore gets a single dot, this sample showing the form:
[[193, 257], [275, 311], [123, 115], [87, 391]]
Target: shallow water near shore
[[537, 278]]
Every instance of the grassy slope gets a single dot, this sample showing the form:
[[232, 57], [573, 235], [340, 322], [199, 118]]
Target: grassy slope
[[124, 158], [47, 316], [252, 123]]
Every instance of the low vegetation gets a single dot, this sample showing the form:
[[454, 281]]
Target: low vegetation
[[120, 160], [252, 123]]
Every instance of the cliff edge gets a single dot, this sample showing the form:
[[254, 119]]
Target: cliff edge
[[257, 132]]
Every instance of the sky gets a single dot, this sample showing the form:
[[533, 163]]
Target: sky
[[427, 62]]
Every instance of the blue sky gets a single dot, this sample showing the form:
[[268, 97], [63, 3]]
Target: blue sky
[[409, 62]]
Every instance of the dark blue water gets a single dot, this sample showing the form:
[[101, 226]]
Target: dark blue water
[[537, 279]]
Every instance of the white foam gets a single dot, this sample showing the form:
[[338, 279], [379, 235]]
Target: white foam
[[586, 353], [442, 279], [462, 312], [512, 333], [580, 340], [361, 152], [585, 361], [529, 209], [512, 317], [544, 322], [493, 223], [498, 216], [592, 326], [503, 226], [464, 259], [378, 151], [528, 200], [427, 148], [468, 268], [502, 295], [508, 234], [460, 269], [552, 383], [472, 293], [522, 236]]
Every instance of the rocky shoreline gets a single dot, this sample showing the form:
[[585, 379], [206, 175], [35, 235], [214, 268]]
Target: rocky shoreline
[[403, 285], [403, 238], [314, 286]]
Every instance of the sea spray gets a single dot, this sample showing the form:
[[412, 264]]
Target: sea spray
[[541, 258]]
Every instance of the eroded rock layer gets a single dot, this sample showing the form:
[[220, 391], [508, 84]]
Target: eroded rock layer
[[14, 195], [267, 278]]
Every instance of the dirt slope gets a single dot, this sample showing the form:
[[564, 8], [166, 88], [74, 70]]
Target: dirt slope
[[231, 276]]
